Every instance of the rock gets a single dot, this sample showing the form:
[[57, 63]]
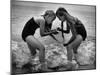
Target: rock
[[86, 53], [20, 54], [56, 56]]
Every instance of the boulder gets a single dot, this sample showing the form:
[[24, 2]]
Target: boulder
[[86, 53], [56, 56], [20, 54]]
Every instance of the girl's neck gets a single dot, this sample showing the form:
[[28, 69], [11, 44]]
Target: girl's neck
[[68, 16], [47, 23]]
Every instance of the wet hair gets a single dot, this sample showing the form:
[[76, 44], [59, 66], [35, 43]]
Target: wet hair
[[60, 11]]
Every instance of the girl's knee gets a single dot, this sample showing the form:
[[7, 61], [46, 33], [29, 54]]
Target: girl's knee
[[79, 37]]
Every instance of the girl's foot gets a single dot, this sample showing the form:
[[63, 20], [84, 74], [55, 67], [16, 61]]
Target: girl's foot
[[44, 68], [72, 65]]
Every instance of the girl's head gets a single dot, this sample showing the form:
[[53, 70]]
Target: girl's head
[[49, 16], [60, 13]]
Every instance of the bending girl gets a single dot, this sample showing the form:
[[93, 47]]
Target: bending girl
[[45, 29], [77, 28]]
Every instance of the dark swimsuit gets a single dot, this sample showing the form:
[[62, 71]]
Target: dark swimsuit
[[80, 29], [29, 28]]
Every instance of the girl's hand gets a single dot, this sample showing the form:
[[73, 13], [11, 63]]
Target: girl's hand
[[59, 29], [55, 31], [65, 44]]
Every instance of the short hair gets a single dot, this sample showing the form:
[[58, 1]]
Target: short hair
[[49, 12]]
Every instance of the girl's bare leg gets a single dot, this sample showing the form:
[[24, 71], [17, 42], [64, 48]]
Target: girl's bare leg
[[32, 50], [71, 40], [72, 45], [75, 48], [35, 44], [69, 53]]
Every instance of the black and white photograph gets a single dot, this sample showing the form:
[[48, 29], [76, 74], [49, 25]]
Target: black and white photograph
[[52, 37]]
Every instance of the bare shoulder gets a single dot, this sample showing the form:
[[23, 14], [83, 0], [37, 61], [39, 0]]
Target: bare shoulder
[[76, 19], [40, 21]]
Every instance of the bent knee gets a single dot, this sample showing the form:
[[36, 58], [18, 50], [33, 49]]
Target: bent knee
[[41, 47], [29, 38], [76, 42], [79, 37]]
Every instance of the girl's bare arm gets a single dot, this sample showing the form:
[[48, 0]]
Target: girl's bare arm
[[67, 28], [43, 31]]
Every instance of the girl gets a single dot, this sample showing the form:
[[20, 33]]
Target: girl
[[78, 30], [45, 29]]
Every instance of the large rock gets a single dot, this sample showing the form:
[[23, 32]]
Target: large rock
[[86, 53], [20, 54], [56, 56]]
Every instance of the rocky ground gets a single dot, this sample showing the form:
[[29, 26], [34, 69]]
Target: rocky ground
[[23, 62]]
